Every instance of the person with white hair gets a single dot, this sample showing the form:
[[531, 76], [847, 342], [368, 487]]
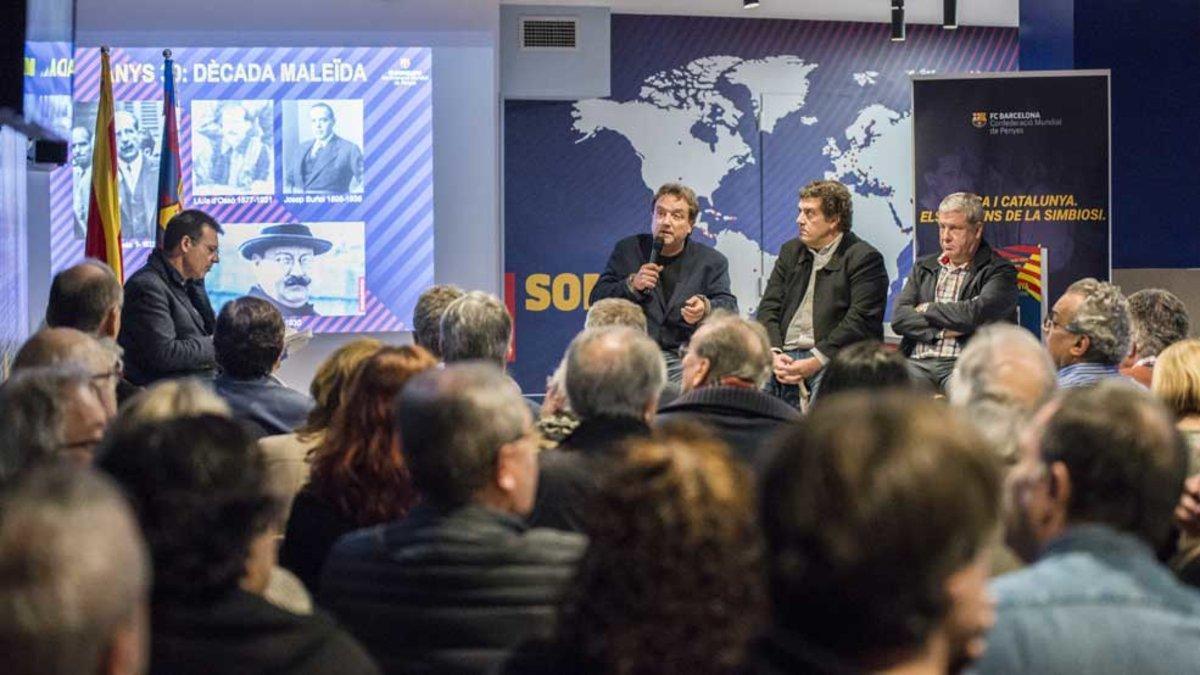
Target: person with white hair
[[1001, 379], [1158, 319], [950, 294], [613, 378], [725, 367], [48, 415], [76, 577]]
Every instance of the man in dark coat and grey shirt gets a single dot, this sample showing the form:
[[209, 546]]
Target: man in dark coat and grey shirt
[[949, 295], [168, 322], [828, 290], [462, 579], [724, 369]]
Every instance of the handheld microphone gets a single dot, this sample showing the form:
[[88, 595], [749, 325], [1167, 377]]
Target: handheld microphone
[[656, 250]]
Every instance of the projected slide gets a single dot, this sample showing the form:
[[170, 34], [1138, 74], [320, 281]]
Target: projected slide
[[317, 161], [47, 86]]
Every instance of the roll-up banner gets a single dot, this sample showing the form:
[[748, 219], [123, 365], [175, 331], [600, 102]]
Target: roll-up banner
[[1036, 148]]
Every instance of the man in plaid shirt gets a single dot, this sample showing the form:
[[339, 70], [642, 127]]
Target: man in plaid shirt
[[949, 295]]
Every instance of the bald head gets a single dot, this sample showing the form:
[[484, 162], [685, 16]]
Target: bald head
[[727, 350], [87, 297], [613, 372], [67, 346]]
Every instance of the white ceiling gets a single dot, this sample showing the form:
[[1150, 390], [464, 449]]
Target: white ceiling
[[970, 12]]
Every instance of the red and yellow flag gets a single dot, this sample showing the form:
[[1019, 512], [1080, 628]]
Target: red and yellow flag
[[104, 209], [1029, 264]]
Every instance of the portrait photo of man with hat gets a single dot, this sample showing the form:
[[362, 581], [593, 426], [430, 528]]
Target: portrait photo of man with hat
[[282, 256]]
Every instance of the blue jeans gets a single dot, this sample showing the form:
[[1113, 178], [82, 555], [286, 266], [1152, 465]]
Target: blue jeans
[[791, 392]]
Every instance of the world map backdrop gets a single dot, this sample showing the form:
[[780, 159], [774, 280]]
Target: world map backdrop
[[744, 111]]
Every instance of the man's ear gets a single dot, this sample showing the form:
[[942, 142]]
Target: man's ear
[[1082, 344], [1061, 487], [703, 367], [110, 326], [127, 651], [506, 474]]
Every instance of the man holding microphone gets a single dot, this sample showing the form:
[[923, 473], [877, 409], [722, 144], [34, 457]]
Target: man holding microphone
[[676, 281]]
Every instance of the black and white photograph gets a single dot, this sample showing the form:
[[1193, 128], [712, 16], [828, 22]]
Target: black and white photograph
[[233, 147], [138, 126], [304, 269], [323, 141]]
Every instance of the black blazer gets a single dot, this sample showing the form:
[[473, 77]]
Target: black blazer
[[166, 326], [703, 271], [988, 295], [449, 591], [848, 301]]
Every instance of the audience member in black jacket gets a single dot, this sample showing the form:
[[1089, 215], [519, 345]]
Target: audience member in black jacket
[[313, 527], [724, 369], [241, 632], [613, 379], [198, 485], [462, 579]]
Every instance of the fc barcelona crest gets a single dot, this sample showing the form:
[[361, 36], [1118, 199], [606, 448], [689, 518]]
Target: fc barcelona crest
[[979, 119]]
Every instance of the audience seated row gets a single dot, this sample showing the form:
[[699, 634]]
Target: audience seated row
[[711, 528]]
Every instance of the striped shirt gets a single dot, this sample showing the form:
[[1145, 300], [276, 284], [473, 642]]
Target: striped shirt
[[1083, 374], [950, 281]]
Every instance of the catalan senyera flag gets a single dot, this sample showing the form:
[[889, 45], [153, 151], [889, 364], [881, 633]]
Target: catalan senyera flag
[[170, 178], [104, 210], [1028, 260]]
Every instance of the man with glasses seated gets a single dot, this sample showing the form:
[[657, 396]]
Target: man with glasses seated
[[49, 415], [1087, 333], [676, 281], [69, 347]]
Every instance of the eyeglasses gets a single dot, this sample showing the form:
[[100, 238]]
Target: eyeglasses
[[1050, 323]]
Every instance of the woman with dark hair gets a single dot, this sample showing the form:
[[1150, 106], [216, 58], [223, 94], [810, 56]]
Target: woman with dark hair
[[358, 477], [198, 486], [672, 580], [286, 454], [864, 365]]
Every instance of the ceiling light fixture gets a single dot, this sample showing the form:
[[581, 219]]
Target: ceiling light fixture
[[949, 14], [749, 4], [897, 20]]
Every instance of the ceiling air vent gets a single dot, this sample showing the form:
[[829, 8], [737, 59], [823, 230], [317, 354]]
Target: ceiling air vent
[[549, 32]]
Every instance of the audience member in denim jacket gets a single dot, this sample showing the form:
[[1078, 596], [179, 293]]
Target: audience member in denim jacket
[[1092, 498]]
